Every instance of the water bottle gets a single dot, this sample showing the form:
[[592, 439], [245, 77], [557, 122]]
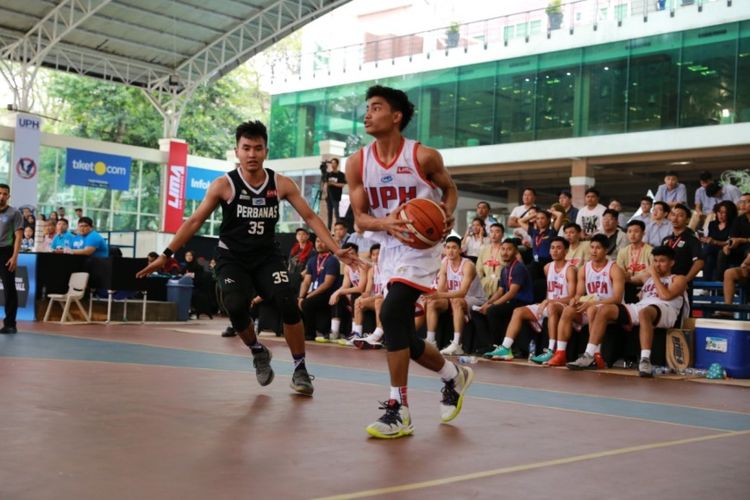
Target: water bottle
[[467, 360], [532, 349]]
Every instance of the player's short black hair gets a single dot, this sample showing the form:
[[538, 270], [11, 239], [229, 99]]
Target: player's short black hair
[[397, 100], [562, 240], [663, 250], [453, 239], [601, 239], [638, 223], [251, 130]]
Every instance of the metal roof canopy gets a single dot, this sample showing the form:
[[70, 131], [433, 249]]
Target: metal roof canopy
[[165, 47]]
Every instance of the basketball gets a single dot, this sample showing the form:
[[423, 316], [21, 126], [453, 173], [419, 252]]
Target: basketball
[[427, 222]]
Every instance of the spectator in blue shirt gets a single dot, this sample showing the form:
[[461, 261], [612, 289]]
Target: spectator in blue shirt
[[322, 277], [63, 238], [88, 241], [672, 191]]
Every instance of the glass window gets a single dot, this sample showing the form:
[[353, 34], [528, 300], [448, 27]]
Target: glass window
[[475, 111], [652, 86], [557, 94], [707, 78], [604, 90], [743, 74], [437, 108], [514, 100]]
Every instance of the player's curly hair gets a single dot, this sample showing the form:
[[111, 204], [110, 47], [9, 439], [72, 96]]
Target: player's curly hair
[[397, 100]]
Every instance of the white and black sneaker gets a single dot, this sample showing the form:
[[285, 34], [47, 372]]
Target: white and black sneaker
[[395, 422], [262, 363]]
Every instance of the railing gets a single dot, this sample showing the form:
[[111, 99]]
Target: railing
[[572, 15]]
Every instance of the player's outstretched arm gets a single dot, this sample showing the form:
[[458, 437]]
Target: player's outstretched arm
[[216, 191], [289, 191]]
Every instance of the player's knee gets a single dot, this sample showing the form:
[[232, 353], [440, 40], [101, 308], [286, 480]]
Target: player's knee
[[287, 305], [416, 348], [235, 302]]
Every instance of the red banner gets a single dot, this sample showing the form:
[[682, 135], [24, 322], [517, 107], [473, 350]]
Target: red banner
[[174, 201]]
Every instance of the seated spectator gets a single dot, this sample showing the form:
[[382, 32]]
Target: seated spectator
[[339, 233], [358, 238], [522, 213], [49, 236], [617, 207], [732, 276], [717, 237], [661, 300], [709, 194], [739, 235], [659, 227], [298, 257], [191, 265], [53, 217], [343, 299], [27, 242], [515, 290], [687, 248], [29, 220], [474, 239], [63, 240], [370, 300], [615, 236], [458, 289], [578, 251], [589, 217], [561, 287], [644, 212], [171, 266], [672, 191], [635, 257], [559, 218], [88, 241], [489, 264], [565, 199], [483, 213], [600, 282], [322, 277]]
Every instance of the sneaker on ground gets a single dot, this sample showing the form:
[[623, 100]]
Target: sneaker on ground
[[302, 382], [229, 332], [645, 369], [543, 358], [395, 422], [453, 393], [560, 358], [453, 349], [368, 342], [501, 353], [333, 337], [321, 339], [348, 341], [262, 364], [587, 362]]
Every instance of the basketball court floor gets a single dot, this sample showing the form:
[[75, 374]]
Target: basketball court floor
[[174, 411]]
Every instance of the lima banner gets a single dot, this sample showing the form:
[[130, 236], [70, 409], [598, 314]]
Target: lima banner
[[87, 168]]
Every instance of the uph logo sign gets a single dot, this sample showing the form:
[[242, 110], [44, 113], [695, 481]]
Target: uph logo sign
[[87, 168], [28, 122], [26, 168]]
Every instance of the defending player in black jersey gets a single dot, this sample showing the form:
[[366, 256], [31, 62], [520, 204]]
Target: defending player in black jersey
[[248, 255]]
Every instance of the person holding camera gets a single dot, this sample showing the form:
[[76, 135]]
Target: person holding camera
[[335, 180]]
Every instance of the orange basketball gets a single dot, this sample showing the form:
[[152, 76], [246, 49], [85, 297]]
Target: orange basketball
[[427, 222]]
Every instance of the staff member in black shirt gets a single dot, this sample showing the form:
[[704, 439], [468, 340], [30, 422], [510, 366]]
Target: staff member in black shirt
[[687, 248], [335, 181], [11, 234]]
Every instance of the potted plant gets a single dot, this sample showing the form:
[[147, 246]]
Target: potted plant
[[452, 35], [554, 14]]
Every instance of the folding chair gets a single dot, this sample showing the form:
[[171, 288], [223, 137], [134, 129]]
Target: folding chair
[[76, 290]]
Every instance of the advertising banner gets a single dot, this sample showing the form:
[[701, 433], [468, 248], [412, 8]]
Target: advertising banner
[[198, 180], [174, 201], [87, 168], [25, 169]]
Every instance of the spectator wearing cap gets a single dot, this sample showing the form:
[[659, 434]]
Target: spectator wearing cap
[[89, 241], [672, 191], [565, 199]]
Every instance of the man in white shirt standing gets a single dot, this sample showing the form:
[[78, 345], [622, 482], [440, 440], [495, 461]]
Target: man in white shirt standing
[[523, 213], [590, 215]]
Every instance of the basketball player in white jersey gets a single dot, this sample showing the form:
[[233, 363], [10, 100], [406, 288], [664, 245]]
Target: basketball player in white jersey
[[561, 287], [662, 298], [600, 282], [343, 298], [382, 177], [459, 289], [371, 300]]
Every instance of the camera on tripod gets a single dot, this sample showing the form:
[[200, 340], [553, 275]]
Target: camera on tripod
[[324, 166]]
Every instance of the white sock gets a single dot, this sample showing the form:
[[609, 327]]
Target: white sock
[[561, 345], [396, 394], [357, 329], [456, 337], [448, 371], [378, 333], [508, 342], [430, 336], [590, 349], [646, 353], [551, 345], [335, 324]]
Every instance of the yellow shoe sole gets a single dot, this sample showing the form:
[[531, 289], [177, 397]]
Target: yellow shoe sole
[[379, 435]]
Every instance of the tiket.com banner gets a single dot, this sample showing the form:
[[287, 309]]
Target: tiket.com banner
[[198, 180], [174, 201], [87, 168], [25, 169]]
